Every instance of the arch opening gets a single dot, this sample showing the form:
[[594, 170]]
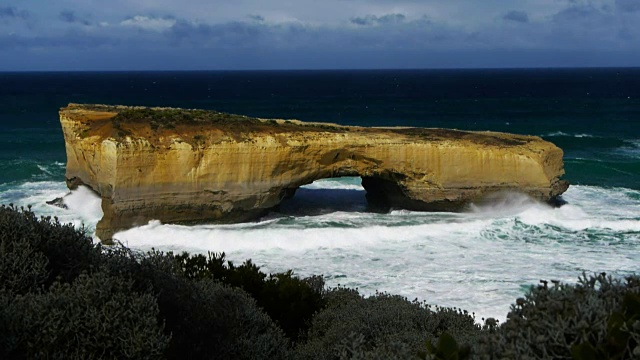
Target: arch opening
[[328, 195]]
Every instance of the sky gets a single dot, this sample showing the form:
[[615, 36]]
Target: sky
[[64, 35]]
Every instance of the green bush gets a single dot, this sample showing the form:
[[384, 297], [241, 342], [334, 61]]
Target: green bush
[[97, 316], [598, 318], [23, 268], [68, 251], [206, 319], [291, 302], [61, 296], [379, 326]]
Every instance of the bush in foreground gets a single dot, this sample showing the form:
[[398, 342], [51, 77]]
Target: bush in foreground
[[61, 296], [598, 318], [381, 326], [36, 252], [290, 301], [96, 316], [206, 318]]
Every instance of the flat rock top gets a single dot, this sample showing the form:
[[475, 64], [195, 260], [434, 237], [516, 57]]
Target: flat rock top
[[154, 124]]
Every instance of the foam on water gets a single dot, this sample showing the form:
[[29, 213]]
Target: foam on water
[[345, 183], [632, 150], [561, 133], [83, 205], [84, 201], [481, 260]]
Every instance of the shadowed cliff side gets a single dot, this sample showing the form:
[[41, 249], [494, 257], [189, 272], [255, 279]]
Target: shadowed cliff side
[[195, 166]]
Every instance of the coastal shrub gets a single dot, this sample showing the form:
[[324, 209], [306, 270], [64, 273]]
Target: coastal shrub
[[23, 268], [50, 301], [598, 318], [205, 318], [290, 301], [380, 326], [209, 320], [249, 333], [67, 251], [61, 296], [95, 317]]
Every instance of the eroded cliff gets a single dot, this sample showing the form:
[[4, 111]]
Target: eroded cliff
[[194, 166]]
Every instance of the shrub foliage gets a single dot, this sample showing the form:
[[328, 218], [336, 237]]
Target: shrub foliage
[[64, 297], [353, 326], [598, 318], [96, 316], [290, 301]]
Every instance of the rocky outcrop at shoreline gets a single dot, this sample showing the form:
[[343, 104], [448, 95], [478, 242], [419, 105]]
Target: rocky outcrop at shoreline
[[196, 166]]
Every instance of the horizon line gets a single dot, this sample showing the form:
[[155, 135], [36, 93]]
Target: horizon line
[[325, 69]]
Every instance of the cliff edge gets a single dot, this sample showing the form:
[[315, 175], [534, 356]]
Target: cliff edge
[[195, 166]]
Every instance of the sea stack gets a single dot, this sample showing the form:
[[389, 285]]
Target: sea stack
[[197, 166]]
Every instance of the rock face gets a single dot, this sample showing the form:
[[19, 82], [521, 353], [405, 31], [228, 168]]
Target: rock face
[[194, 166]]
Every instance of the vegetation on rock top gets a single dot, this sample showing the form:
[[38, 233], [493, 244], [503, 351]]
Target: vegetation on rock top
[[169, 118]]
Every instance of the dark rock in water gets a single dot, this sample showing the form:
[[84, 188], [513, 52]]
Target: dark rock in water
[[59, 202]]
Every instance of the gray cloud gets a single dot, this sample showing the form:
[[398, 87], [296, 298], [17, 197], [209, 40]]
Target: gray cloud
[[73, 41], [272, 37], [69, 16], [256, 17], [230, 35], [577, 12], [628, 5], [10, 12], [370, 20], [149, 23], [517, 16]]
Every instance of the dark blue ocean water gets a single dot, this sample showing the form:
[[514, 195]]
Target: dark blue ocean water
[[497, 250], [593, 114]]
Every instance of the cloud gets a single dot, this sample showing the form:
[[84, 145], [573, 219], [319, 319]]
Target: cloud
[[70, 17], [517, 16], [76, 41], [577, 12], [10, 12], [256, 17], [372, 20], [252, 32], [149, 23], [628, 5]]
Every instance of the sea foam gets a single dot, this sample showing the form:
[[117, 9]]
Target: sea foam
[[480, 260]]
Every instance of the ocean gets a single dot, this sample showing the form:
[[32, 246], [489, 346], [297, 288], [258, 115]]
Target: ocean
[[480, 260]]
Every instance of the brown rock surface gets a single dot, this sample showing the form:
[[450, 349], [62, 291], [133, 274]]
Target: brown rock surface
[[194, 166]]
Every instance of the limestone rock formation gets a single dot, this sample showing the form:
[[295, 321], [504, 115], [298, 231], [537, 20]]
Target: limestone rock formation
[[195, 166]]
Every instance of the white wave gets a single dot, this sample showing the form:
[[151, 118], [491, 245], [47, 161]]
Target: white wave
[[85, 201], [560, 133], [504, 204], [83, 209], [632, 151], [44, 169], [344, 183], [584, 210], [480, 260], [556, 133]]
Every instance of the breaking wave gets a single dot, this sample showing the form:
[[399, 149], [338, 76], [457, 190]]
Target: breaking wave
[[480, 260]]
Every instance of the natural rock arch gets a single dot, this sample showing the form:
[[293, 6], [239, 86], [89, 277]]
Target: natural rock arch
[[194, 166]]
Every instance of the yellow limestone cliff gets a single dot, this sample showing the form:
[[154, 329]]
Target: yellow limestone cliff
[[196, 166]]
